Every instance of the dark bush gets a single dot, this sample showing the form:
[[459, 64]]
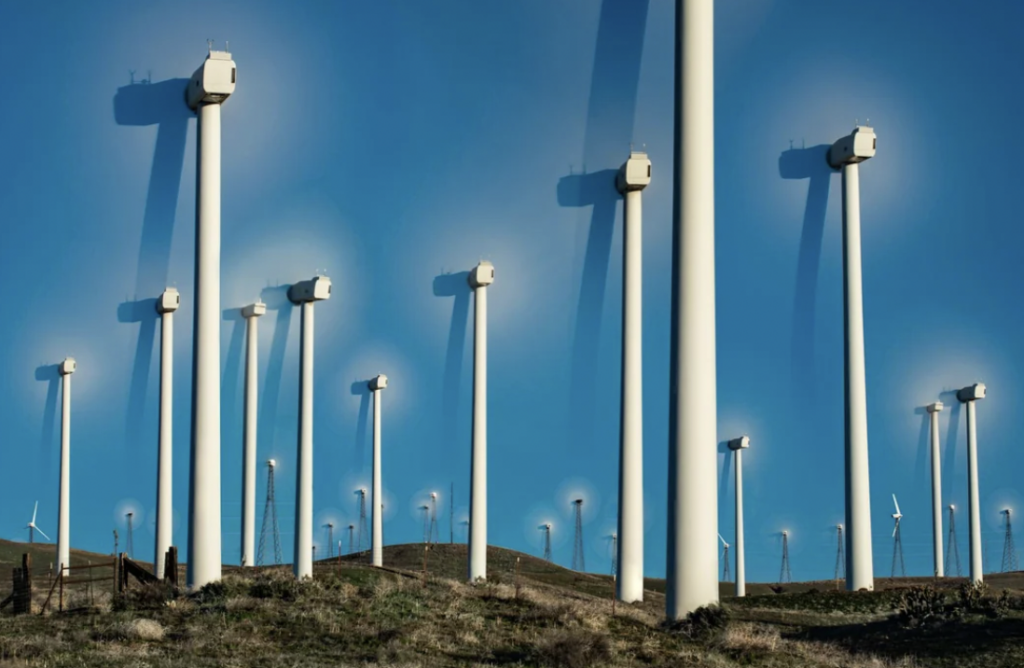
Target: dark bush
[[148, 596], [703, 623], [970, 595], [574, 649], [919, 605]]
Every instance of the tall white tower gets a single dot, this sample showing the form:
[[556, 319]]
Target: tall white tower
[[166, 305], [692, 559], [969, 395], [738, 445], [250, 313], [377, 537], [66, 368], [210, 86], [306, 293], [480, 277], [933, 416], [633, 177], [847, 154]]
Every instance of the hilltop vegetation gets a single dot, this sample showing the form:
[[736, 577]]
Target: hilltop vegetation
[[351, 614]]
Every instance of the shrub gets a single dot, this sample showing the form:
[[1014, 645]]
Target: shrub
[[918, 605], [148, 596], [970, 595], [703, 623], [574, 649]]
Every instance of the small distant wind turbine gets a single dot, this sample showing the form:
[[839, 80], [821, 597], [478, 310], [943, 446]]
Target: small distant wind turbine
[[31, 526], [897, 544], [726, 575]]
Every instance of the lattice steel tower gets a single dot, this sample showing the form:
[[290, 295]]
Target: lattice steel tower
[[726, 573], [426, 522], [951, 548], [840, 553], [615, 554], [784, 574], [351, 533], [270, 520], [546, 528], [330, 539], [1009, 552], [578, 563]]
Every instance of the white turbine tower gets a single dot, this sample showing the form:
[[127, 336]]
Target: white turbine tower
[[306, 293], [969, 395], [692, 568], [250, 313], [738, 445], [210, 85], [847, 154], [66, 368], [166, 305], [377, 385], [480, 277], [31, 526], [937, 556], [633, 177]]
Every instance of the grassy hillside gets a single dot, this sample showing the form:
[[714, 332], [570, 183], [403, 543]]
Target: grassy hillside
[[352, 614]]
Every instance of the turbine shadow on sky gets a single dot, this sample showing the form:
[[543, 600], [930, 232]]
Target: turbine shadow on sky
[[922, 463], [50, 374], [276, 299], [723, 482], [949, 445], [452, 285], [812, 164], [361, 389], [230, 408], [161, 104], [610, 114]]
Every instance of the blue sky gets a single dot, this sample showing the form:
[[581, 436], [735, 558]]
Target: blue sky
[[390, 143]]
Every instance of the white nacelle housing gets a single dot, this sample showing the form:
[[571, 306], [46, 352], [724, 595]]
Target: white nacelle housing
[[935, 408], [855, 147], [169, 301], [972, 392], [379, 383], [254, 310], [482, 275], [741, 443], [213, 82], [314, 290], [271, 463], [635, 173], [68, 366]]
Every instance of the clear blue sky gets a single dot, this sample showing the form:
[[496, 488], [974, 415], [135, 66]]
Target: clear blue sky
[[390, 142]]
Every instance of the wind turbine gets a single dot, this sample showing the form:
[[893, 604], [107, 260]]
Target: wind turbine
[[250, 313], [546, 528], [31, 526], [847, 154], [933, 426], [897, 544], [970, 395], [377, 537], [632, 178], [305, 294], [726, 576], [66, 368], [692, 559], [166, 305], [738, 445], [209, 87], [480, 277]]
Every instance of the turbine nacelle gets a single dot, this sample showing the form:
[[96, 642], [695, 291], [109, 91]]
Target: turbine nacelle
[[971, 392], [635, 173], [315, 289], [213, 82], [741, 443], [379, 382], [68, 366], [168, 301], [481, 275], [254, 310], [934, 408], [855, 147]]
